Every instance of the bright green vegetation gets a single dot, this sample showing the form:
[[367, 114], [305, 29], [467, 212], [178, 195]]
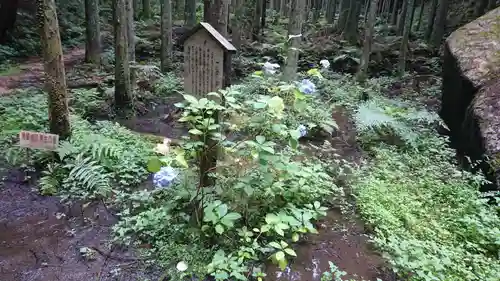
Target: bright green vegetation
[[427, 216]]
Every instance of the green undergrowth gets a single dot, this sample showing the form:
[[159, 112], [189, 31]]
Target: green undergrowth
[[427, 216]]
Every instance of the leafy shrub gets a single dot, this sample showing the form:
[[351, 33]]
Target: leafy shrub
[[266, 193]]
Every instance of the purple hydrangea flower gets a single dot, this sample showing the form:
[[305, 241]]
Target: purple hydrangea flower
[[307, 87], [165, 177]]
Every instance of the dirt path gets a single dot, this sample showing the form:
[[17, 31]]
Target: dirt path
[[42, 241], [31, 72]]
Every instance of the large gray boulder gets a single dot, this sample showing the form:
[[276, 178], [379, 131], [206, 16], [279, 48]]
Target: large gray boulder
[[471, 91]]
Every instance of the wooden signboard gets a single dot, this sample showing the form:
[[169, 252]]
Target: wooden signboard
[[38, 140], [206, 69], [205, 50]]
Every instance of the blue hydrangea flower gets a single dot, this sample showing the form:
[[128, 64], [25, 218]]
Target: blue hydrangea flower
[[165, 177], [307, 87], [302, 130]]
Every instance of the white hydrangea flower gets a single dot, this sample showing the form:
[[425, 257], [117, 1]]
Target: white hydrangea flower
[[302, 130], [325, 64], [163, 148], [270, 68], [182, 266]]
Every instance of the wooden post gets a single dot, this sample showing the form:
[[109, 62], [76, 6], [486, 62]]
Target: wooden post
[[207, 57]]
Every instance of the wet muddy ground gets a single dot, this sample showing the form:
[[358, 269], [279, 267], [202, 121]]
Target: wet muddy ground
[[42, 240]]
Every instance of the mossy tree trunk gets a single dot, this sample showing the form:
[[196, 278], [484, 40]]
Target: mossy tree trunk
[[93, 37], [123, 92], [294, 38], [367, 44], [166, 35], [54, 68], [130, 30]]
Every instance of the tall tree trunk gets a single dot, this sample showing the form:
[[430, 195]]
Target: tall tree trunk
[[402, 18], [295, 37], [123, 92], [166, 35], [403, 51], [345, 8], [350, 32], [130, 30], [394, 13], [420, 14], [257, 20], [93, 37], [367, 44], [190, 13], [136, 9], [412, 15], [430, 20], [146, 9], [237, 23], [439, 24], [54, 68]]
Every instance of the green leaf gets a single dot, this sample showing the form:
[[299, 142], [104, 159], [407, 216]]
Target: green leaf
[[275, 245], [154, 164], [232, 216], [283, 244], [179, 157], [190, 98], [295, 134], [272, 218], [290, 252], [293, 143], [295, 237], [259, 105], [222, 210], [195, 132], [260, 139], [282, 264], [219, 229], [280, 255]]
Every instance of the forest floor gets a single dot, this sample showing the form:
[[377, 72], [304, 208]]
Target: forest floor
[[31, 72], [42, 240]]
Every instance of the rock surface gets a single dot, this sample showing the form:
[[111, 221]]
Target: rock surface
[[471, 90]]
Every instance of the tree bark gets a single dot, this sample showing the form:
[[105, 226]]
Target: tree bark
[[367, 44], [166, 35], [439, 24], [123, 92], [294, 39], [93, 37], [130, 30], [190, 13], [403, 51], [430, 20], [55, 83], [146, 9], [402, 18]]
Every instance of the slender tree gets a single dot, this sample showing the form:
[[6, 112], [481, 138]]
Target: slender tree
[[294, 39], [93, 37], [123, 91], [403, 51], [166, 35], [54, 68], [367, 44]]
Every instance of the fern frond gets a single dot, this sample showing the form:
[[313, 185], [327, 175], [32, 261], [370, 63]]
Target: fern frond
[[87, 174]]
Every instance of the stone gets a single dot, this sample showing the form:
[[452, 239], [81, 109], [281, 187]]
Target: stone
[[470, 102]]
